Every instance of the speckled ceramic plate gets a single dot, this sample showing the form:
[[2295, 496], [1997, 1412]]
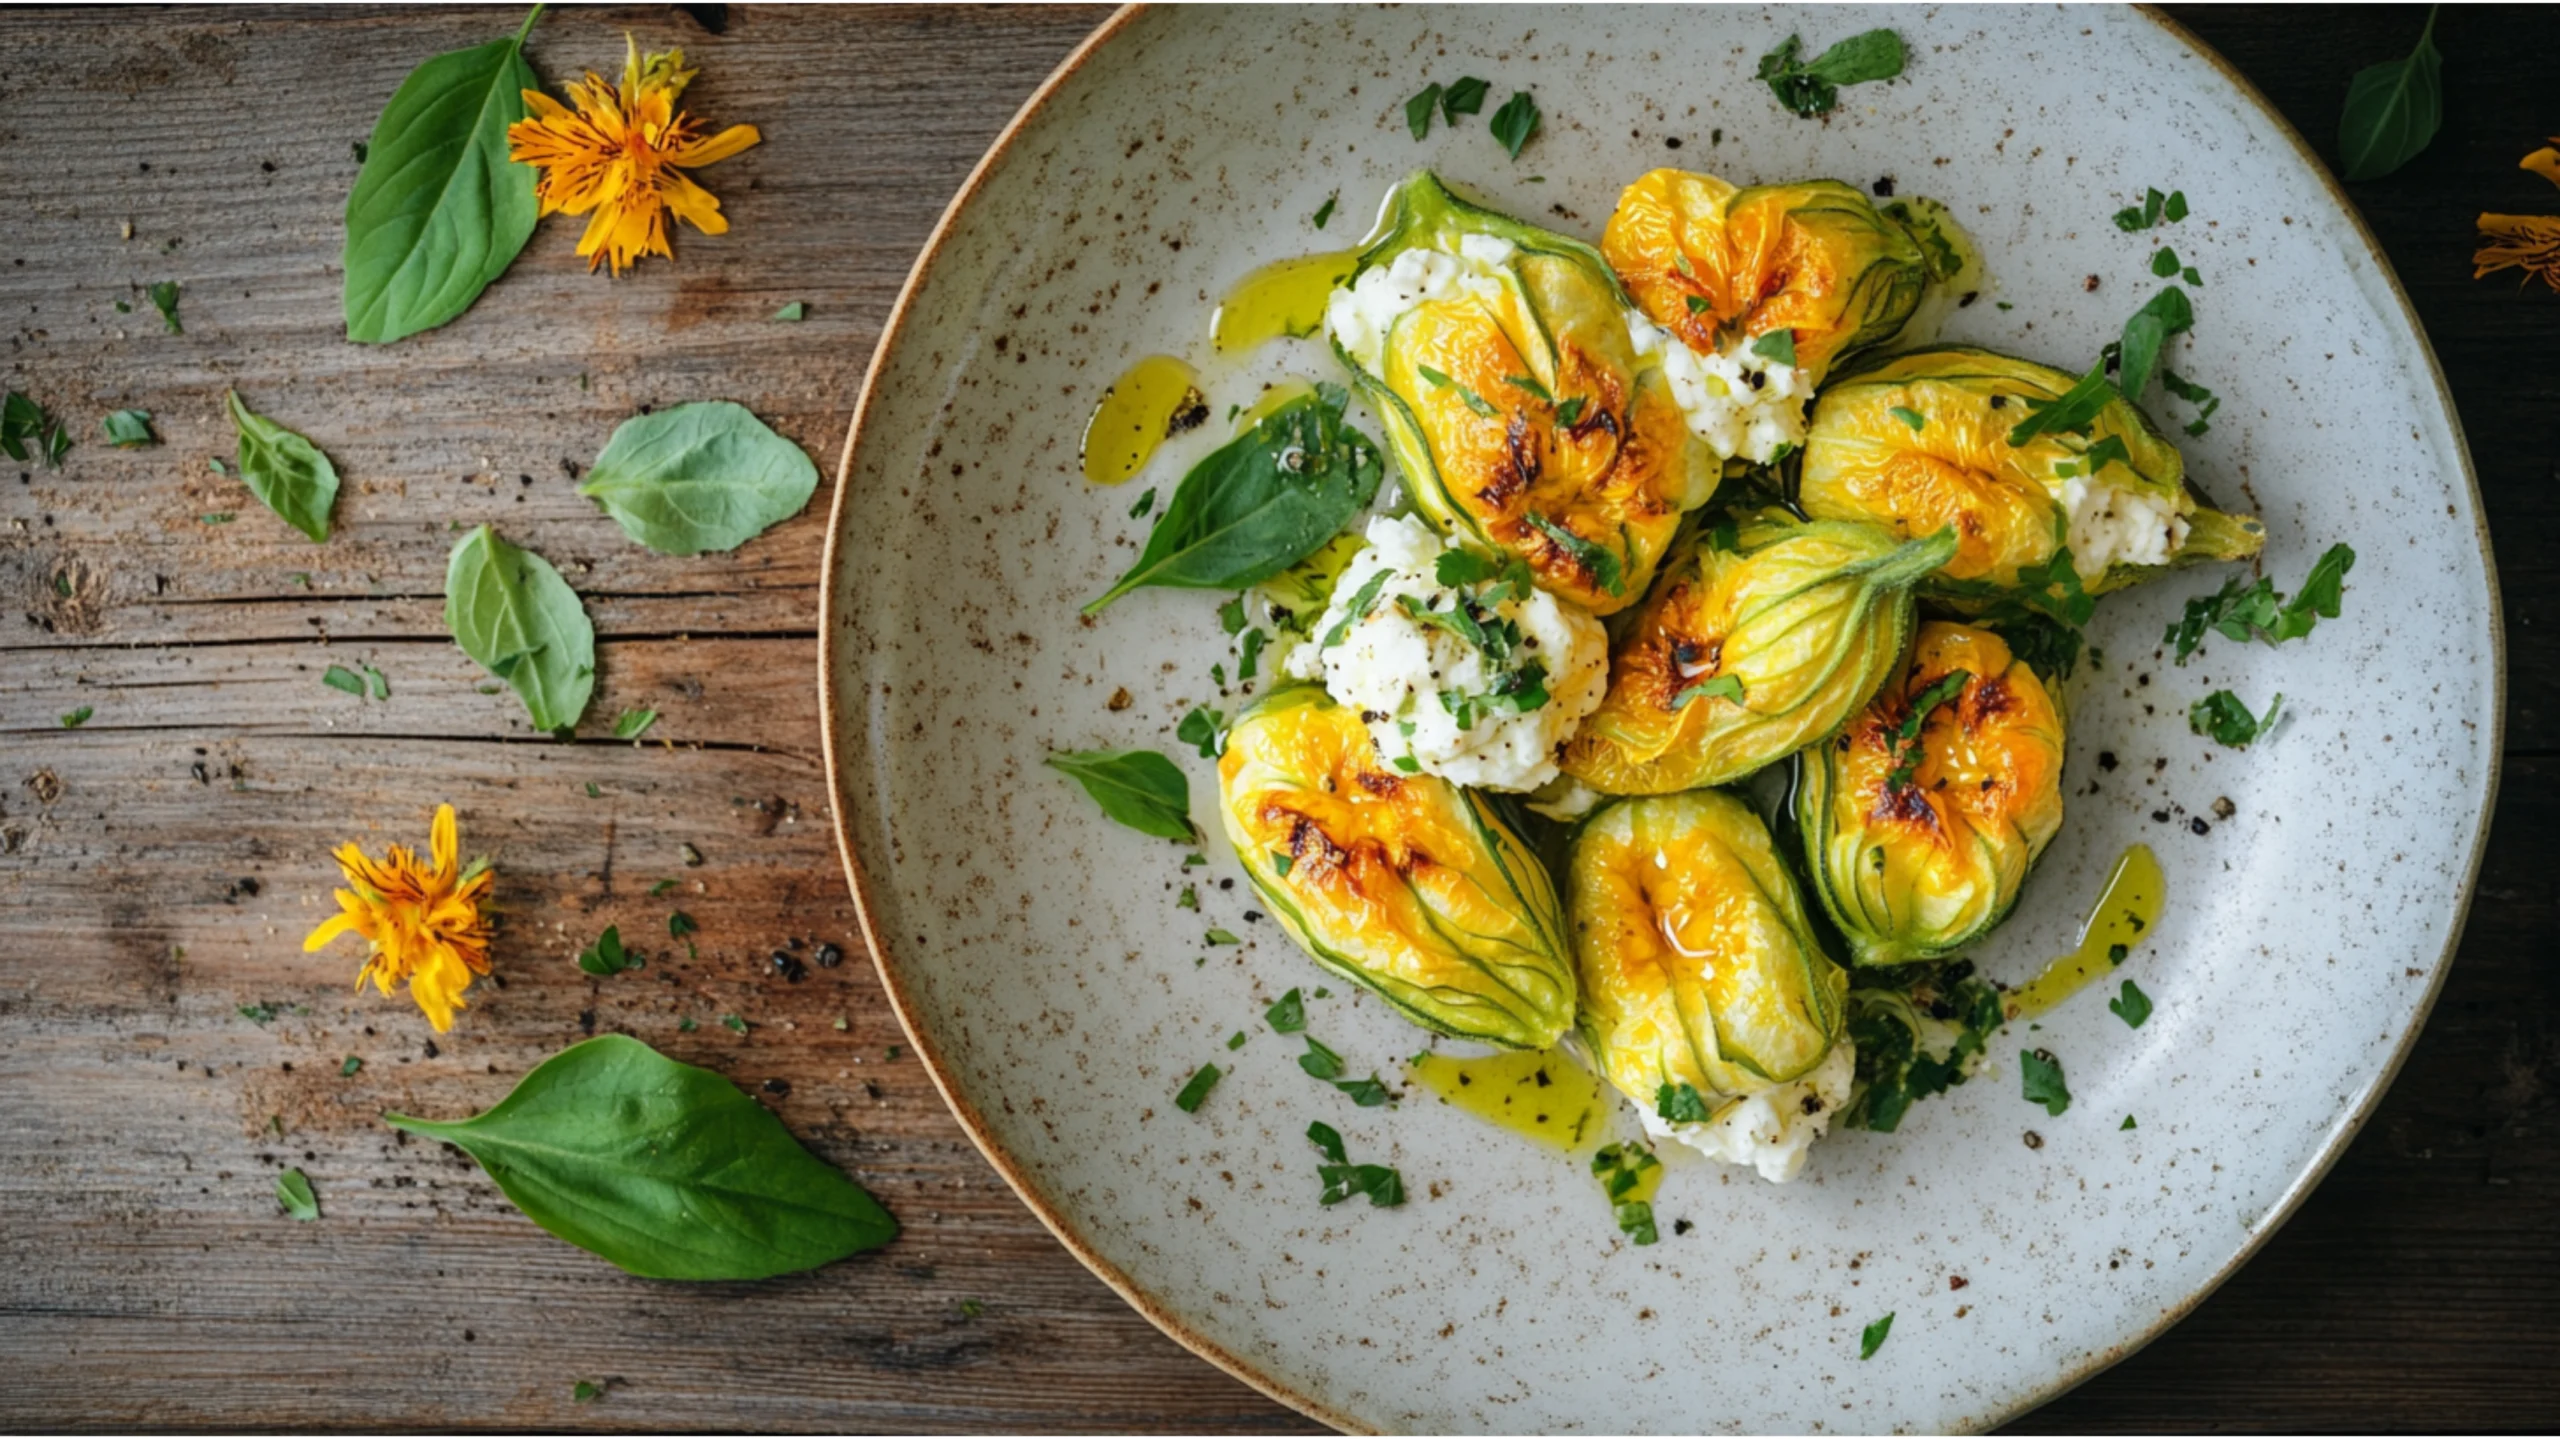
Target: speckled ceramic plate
[[1035, 952]]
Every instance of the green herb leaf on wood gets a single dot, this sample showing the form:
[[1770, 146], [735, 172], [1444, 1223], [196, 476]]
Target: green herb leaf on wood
[[164, 298], [511, 611], [287, 472], [606, 957], [439, 211], [631, 724], [792, 313], [662, 1168], [344, 680], [1140, 788], [129, 429], [2393, 110], [293, 1193], [708, 476], [78, 717]]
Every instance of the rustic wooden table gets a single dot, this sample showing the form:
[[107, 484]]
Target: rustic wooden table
[[159, 865]]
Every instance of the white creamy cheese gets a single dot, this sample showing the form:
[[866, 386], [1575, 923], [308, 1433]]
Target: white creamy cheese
[[1360, 314], [1742, 404], [1770, 1131], [1408, 678], [2112, 525]]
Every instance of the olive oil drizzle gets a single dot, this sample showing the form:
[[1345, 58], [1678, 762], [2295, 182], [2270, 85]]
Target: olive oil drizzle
[[1542, 1095], [1286, 297], [2126, 911], [1154, 398]]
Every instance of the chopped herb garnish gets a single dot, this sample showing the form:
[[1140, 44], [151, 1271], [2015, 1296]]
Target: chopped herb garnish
[[1288, 1015], [1474, 401], [2163, 315], [349, 1066], [607, 957], [1220, 936], [1319, 1061], [293, 1192], [1145, 503], [1368, 1093], [1778, 347], [2131, 1005], [1569, 412], [1188, 899], [584, 1392], [1712, 687], [258, 1013], [1417, 111], [381, 683], [631, 724], [2222, 718], [1871, 1338], [1516, 122], [1620, 1169], [734, 1022], [1342, 1179], [1236, 1040], [1906, 735], [164, 297], [1466, 97], [2068, 414], [2040, 1079], [2155, 207], [1530, 384], [1810, 88], [680, 924], [1697, 304], [1680, 1103], [339, 677], [1363, 600], [2260, 609], [127, 429], [1139, 788], [1231, 615], [1916, 420], [1200, 729], [1206, 1079], [1598, 561], [2164, 262], [1281, 861], [1193, 861], [1324, 211], [2128, 1123], [78, 717]]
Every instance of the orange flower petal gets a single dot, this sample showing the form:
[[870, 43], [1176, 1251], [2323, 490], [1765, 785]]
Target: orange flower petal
[[2544, 162], [719, 147], [693, 204]]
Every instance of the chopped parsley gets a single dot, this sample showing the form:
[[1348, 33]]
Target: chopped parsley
[[1871, 1338], [1189, 898], [1200, 729], [2193, 394], [1236, 1040], [2128, 1123], [2138, 351], [1906, 735], [1342, 1179], [1220, 936], [2040, 1079], [2222, 718], [1621, 1168], [2132, 1005], [2237, 612], [2069, 413], [2164, 262], [1288, 1015], [1680, 1103], [2155, 207], [1188, 1101], [1598, 561], [1363, 600]]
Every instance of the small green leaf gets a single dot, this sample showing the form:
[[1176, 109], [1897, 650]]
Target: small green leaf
[[129, 429], [1778, 347], [1417, 111], [2132, 1005], [1324, 211], [584, 1392], [2222, 718], [2163, 315], [164, 298], [792, 313], [1598, 561], [439, 211], [735, 1022], [1680, 1103], [679, 923], [1145, 503], [293, 1192], [1516, 122], [2164, 262], [1140, 788], [2393, 110], [77, 717], [1464, 98], [631, 724], [287, 472], [1206, 1079], [381, 682], [1916, 420], [1236, 1040], [2040, 1079], [511, 611], [349, 1066], [342, 679], [664, 1169], [1871, 1338], [606, 957], [2128, 1123], [1288, 1015], [1220, 936], [701, 477], [1713, 687]]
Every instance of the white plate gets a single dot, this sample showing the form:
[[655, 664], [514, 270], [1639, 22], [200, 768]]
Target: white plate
[[1037, 957]]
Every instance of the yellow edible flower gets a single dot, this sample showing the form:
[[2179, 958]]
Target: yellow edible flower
[[617, 154], [2544, 162], [425, 921], [2530, 243]]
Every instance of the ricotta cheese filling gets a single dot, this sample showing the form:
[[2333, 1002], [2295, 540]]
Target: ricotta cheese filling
[[1359, 315], [1394, 645], [1743, 404], [1770, 1131], [2112, 525]]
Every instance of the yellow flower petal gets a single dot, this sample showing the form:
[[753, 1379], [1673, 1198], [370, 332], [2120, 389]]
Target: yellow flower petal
[[693, 204], [2530, 243], [329, 929], [719, 147], [2544, 162]]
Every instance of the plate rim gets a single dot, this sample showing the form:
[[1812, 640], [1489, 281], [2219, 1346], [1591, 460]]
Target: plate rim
[[1156, 1312]]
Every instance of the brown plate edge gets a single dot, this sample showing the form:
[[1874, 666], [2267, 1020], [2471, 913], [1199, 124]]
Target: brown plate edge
[[1163, 1318]]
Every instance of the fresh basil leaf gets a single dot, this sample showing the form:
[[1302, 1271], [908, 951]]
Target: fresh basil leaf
[[287, 473], [1249, 654], [631, 724], [1464, 98], [2164, 262], [1871, 1338], [1680, 1103], [792, 313], [439, 211], [2393, 110], [338, 677], [78, 717], [1327, 1140], [1778, 347], [293, 1192], [1288, 1015], [1598, 561], [127, 429], [2040, 1079], [2131, 1005], [1200, 729], [1140, 788], [164, 298], [2072, 411], [2323, 590], [664, 1169], [1810, 89], [2222, 718], [701, 477], [2165, 314], [511, 611], [606, 957], [1206, 1079], [1516, 122], [1260, 503], [1320, 1062], [1417, 111]]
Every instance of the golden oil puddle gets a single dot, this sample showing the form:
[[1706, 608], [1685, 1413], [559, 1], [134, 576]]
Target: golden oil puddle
[[2126, 911], [1286, 297], [1541, 1094], [1156, 397]]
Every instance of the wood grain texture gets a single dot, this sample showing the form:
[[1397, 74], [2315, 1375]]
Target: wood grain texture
[[159, 865]]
